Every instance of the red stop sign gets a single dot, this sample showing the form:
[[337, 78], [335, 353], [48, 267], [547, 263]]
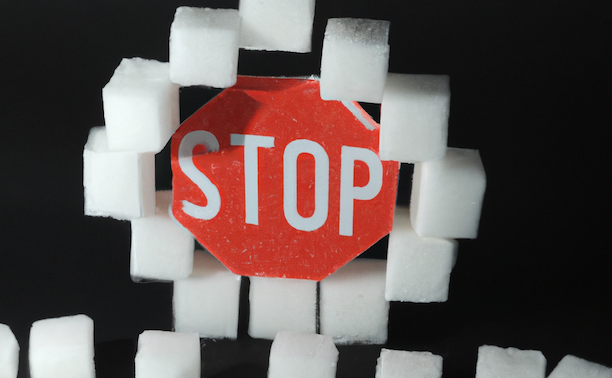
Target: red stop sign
[[276, 182]]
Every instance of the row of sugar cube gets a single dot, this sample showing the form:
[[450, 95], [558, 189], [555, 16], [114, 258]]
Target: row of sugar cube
[[64, 348]]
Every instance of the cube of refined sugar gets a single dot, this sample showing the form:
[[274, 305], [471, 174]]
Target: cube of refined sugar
[[9, 353], [62, 348], [304, 355], [355, 59], [281, 304], [352, 305], [141, 106], [277, 25], [163, 354], [575, 367], [117, 184], [161, 249], [418, 268], [207, 301], [496, 362], [404, 364], [447, 195], [414, 117], [204, 46]]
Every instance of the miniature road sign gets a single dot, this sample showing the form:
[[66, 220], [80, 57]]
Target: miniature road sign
[[276, 182]]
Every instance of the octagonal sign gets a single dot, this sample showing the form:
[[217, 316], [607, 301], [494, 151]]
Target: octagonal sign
[[276, 182]]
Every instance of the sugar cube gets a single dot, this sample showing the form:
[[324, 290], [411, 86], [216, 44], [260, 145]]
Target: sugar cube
[[207, 301], [204, 47], [352, 305], [118, 184], [303, 355], [355, 59], [161, 249], [404, 364], [414, 117], [447, 195], [163, 354], [575, 367], [141, 106], [62, 348], [278, 25], [496, 362], [9, 353], [418, 268], [281, 304]]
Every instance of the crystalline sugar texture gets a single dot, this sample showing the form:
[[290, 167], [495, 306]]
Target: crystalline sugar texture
[[9, 353], [574, 367], [163, 354], [281, 304], [403, 364], [62, 348], [355, 60], [141, 106], [277, 25], [204, 47], [161, 249], [414, 117], [496, 362], [418, 268], [447, 195], [207, 301], [352, 303], [303, 355], [117, 184]]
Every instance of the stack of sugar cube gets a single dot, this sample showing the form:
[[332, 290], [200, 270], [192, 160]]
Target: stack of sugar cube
[[141, 113]]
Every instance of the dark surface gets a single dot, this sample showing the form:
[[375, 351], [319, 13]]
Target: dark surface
[[530, 89]]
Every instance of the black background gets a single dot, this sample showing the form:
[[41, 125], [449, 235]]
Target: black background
[[530, 89]]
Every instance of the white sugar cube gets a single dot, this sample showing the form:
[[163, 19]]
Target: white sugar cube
[[281, 304], [404, 364], [141, 106], [447, 195], [62, 348], [352, 305], [207, 301], [161, 249], [574, 367], [277, 25], [496, 362], [9, 353], [418, 268], [303, 355], [355, 59], [163, 354], [117, 184], [204, 46], [414, 117]]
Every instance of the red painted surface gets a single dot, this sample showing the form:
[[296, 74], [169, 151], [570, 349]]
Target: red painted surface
[[285, 110]]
